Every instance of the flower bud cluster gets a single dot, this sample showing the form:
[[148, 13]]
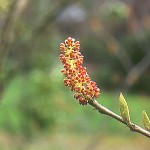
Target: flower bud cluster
[[76, 76]]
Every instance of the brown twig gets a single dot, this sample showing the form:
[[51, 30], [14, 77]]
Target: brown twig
[[8, 34], [106, 111], [135, 72]]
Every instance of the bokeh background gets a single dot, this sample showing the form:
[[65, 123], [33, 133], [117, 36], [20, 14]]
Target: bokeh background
[[36, 110]]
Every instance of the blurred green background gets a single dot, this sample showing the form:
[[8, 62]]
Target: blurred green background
[[36, 110]]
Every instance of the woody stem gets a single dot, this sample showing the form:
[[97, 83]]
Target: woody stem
[[106, 111]]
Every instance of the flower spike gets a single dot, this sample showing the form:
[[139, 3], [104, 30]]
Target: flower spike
[[76, 76]]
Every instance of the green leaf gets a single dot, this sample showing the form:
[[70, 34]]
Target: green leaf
[[146, 120], [124, 110]]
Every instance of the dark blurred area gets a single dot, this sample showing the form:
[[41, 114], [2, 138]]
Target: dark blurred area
[[34, 104]]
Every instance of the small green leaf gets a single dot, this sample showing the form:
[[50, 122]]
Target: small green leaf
[[146, 120], [124, 110]]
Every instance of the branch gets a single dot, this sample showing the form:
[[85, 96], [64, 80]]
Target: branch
[[136, 71], [87, 91], [104, 110], [116, 48], [8, 29], [48, 19], [8, 33], [46, 22]]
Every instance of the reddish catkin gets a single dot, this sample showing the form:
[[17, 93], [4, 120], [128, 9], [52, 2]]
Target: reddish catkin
[[76, 76]]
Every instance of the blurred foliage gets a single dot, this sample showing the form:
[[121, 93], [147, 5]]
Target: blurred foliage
[[4, 5], [23, 100], [33, 97]]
